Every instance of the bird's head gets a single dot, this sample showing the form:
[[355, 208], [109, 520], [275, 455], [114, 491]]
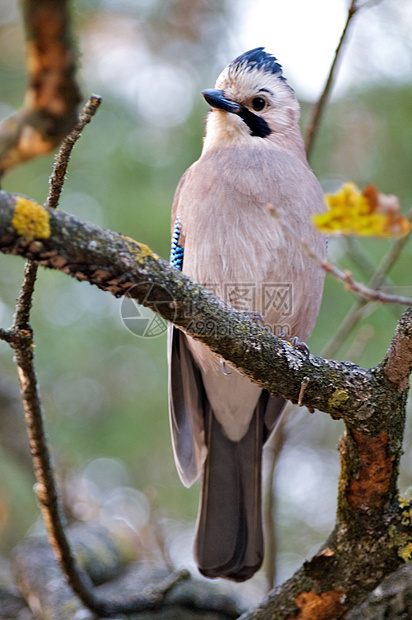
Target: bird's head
[[251, 103]]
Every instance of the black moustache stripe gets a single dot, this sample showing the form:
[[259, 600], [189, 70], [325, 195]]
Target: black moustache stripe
[[257, 125]]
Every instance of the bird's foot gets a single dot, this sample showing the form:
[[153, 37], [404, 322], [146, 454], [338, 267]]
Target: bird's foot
[[257, 317], [295, 342], [302, 346]]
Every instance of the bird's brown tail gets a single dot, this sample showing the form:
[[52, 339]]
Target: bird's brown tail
[[229, 539]]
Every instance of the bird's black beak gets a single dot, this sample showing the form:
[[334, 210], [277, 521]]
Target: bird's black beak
[[216, 99]]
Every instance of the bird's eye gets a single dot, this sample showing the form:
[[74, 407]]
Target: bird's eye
[[258, 104]]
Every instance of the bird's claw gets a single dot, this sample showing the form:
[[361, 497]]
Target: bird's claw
[[255, 316], [302, 346], [295, 342]]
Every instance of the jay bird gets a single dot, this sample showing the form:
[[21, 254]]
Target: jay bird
[[225, 237]]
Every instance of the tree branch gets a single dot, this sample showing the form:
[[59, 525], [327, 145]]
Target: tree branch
[[62, 160], [318, 109], [105, 556], [52, 97], [370, 401], [398, 364], [345, 277], [372, 534], [117, 264], [320, 106], [356, 313], [20, 337]]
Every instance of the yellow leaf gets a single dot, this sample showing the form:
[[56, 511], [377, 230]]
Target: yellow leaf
[[367, 213]]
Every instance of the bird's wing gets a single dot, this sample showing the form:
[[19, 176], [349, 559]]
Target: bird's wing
[[187, 398], [272, 409], [187, 402]]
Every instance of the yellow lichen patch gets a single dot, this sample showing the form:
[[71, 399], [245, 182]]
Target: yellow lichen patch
[[401, 540], [404, 501], [338, 398], [144, 251], [406, 517], [30, 220], [139, 249], [406, 552], [367, 213]]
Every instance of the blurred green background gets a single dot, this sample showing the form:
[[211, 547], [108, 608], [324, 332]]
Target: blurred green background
[[104, 390]]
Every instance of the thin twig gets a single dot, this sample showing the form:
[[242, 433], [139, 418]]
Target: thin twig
[[371, 294], [318, 109], [356, 313], [357, 287], [302, 390], [366, 4], [20, 337], [158, 529], [24, 300], [62, 160], [390, 259], [362, 260], [43, 468]]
